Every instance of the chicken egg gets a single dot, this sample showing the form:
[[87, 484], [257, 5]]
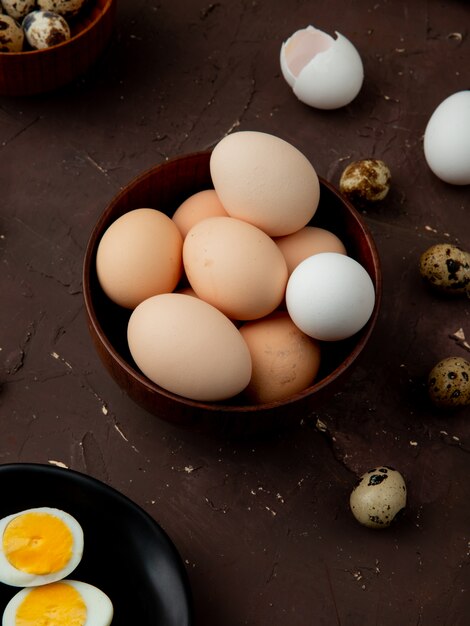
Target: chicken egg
[[306, 242], [197, 207], [330, 296], [139, 256], [188, 347], [285, 360], [235, 266], [266, 181], [323, 72], [64, 603], [39, 546], [447, 139]]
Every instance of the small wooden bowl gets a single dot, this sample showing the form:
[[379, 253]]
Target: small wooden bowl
[[164, 187], [37, 71]]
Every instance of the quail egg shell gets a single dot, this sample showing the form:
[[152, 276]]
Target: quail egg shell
[[39, 546], [11, 35], [449, 383], [323, 72], [61, 603], [446, 268], [17, 9], [44, 29], [378, 497], [67, 8]]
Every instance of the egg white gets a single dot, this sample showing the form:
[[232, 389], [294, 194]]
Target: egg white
[[10, 575], [99, 606]]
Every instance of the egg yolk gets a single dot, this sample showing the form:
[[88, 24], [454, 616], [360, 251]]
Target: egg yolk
[[56, 604], [38, 543]]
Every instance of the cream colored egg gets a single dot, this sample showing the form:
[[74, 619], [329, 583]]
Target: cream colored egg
[[378, 497], [285, 360], [139, 256], [39, 546], [62, 604], [189, 347], [306, 242], [235, 267], [266, 181], [196, 208]]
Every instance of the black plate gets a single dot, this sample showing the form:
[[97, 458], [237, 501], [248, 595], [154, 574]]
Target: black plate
[[127, 555]]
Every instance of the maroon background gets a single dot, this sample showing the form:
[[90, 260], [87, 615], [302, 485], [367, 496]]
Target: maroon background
[[263, 526]]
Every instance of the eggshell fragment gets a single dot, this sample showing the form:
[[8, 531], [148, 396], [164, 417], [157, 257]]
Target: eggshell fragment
[[235, 267], [330, 296], [447, 139], [323, 72], [285, 360], [378, 497], [306, 242], [188, 347], [196, 208], [139, 256], [266, 181]]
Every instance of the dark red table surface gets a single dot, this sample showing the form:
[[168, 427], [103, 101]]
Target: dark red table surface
[[263, 526]]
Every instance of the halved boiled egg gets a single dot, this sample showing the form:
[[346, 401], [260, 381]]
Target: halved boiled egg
[[39, 546], [64, 603], [324, 72]]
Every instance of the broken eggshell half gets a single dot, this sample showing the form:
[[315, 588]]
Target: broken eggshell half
[[323, 72]]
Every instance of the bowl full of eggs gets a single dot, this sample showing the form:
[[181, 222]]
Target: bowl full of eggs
[[45, 44], [75, 551], [231, 290]]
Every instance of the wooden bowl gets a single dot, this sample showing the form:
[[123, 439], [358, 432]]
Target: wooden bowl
[[37, 71], [164, 187]]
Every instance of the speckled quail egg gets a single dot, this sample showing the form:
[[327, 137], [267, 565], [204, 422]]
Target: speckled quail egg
[[446, 267], [377, 498], [67, 8], [44, 29], [365, 181], [17, 9], [449, 383], [11, 35]]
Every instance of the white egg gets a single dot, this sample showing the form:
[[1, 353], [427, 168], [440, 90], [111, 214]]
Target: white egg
[[330, 296], [61, 603], [324, 72], [447, 139], [39, 546]]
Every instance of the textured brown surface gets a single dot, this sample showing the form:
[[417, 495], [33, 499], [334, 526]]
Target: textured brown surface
[[263, 526]]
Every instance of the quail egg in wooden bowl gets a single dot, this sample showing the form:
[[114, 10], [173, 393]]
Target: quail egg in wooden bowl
[[46, 44], [220, 314]]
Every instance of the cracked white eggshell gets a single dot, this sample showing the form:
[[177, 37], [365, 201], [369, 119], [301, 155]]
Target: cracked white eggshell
[[324, 72], [447, 139]]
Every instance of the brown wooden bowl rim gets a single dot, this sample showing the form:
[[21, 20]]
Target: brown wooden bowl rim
[[90, 254], [92, 24]]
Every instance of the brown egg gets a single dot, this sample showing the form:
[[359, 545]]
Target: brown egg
[[306, 242], [188, 347], [285, 361], [139, 256], [235, 267], [197, 207], [266, 181]]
